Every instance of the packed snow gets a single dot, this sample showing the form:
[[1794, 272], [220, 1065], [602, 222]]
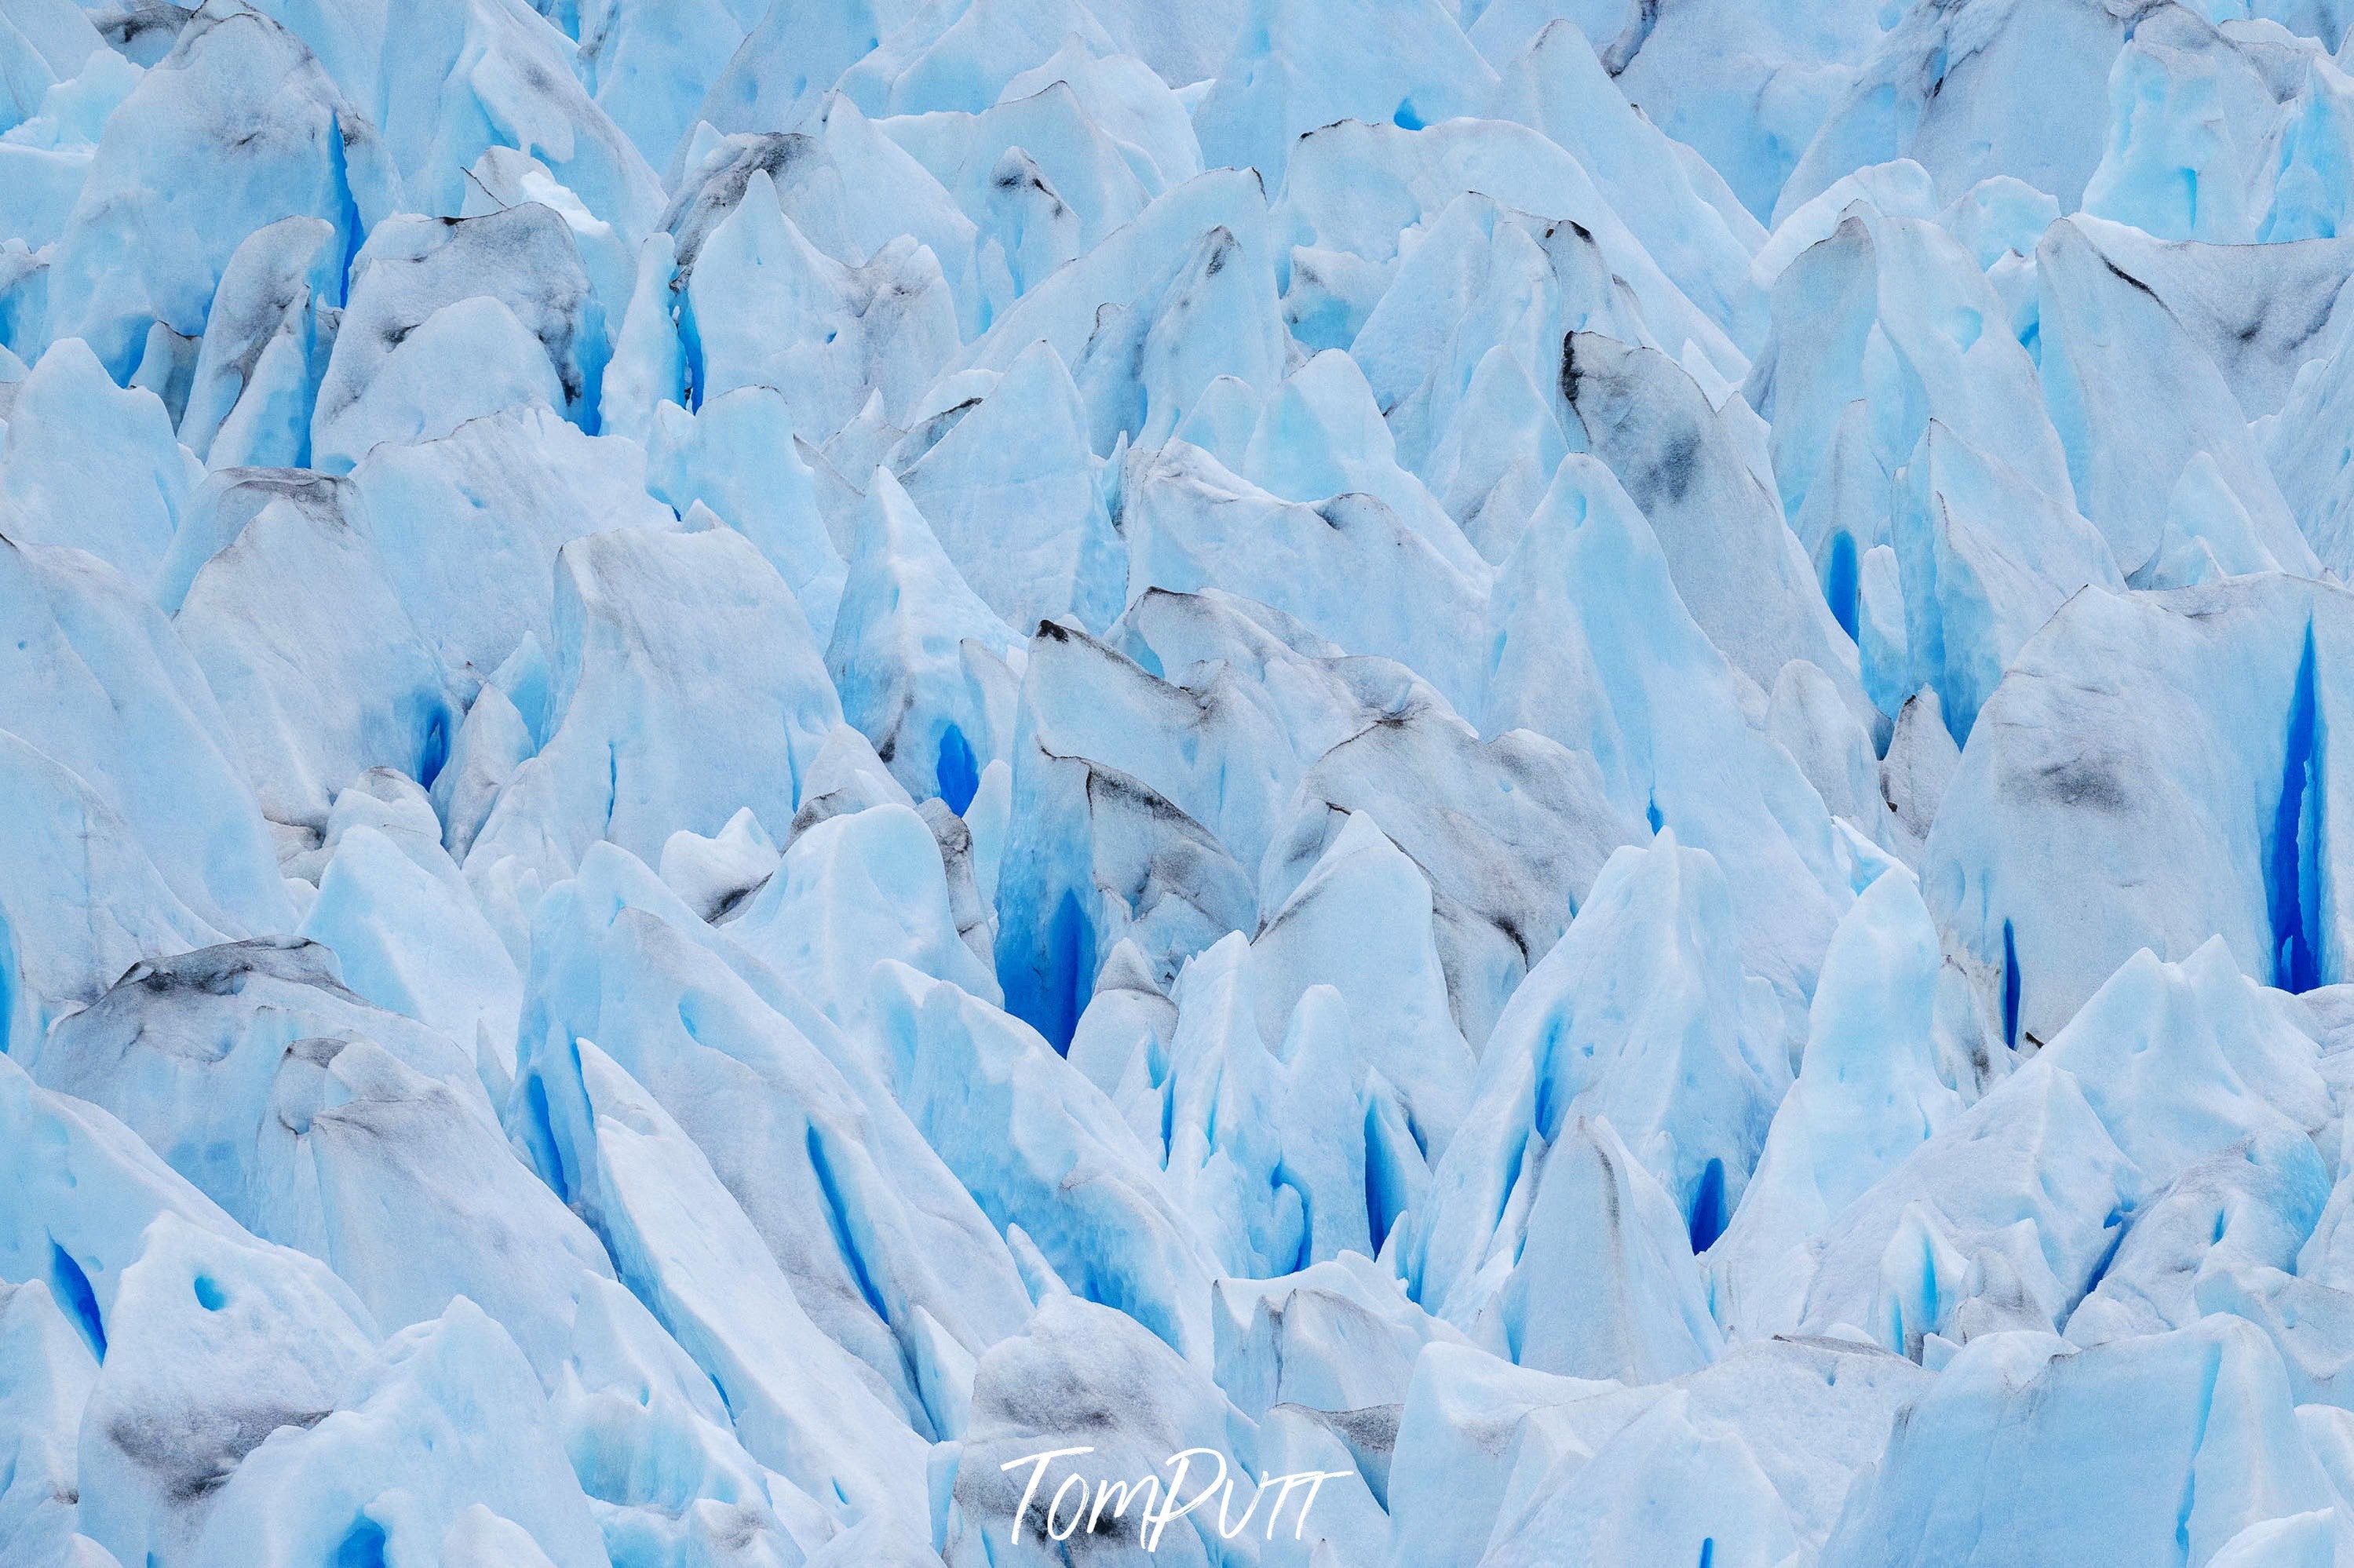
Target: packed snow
[[1293, 783]]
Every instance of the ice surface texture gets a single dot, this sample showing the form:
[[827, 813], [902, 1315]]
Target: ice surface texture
[[779, 776]]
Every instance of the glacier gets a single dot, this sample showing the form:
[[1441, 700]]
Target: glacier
[[1261, 783]]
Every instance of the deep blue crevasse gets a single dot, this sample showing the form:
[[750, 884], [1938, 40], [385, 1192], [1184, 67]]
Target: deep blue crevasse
[[958, 770], [2291, 873]]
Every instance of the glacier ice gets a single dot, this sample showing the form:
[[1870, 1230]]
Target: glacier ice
[[1307, 783]]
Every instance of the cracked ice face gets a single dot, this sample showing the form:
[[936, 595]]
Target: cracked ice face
[[785, 779]]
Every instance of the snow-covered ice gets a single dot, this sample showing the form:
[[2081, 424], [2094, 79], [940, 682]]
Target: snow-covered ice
[[1293, 783]]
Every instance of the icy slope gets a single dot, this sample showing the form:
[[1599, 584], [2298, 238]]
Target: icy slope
[[1297, 783]]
